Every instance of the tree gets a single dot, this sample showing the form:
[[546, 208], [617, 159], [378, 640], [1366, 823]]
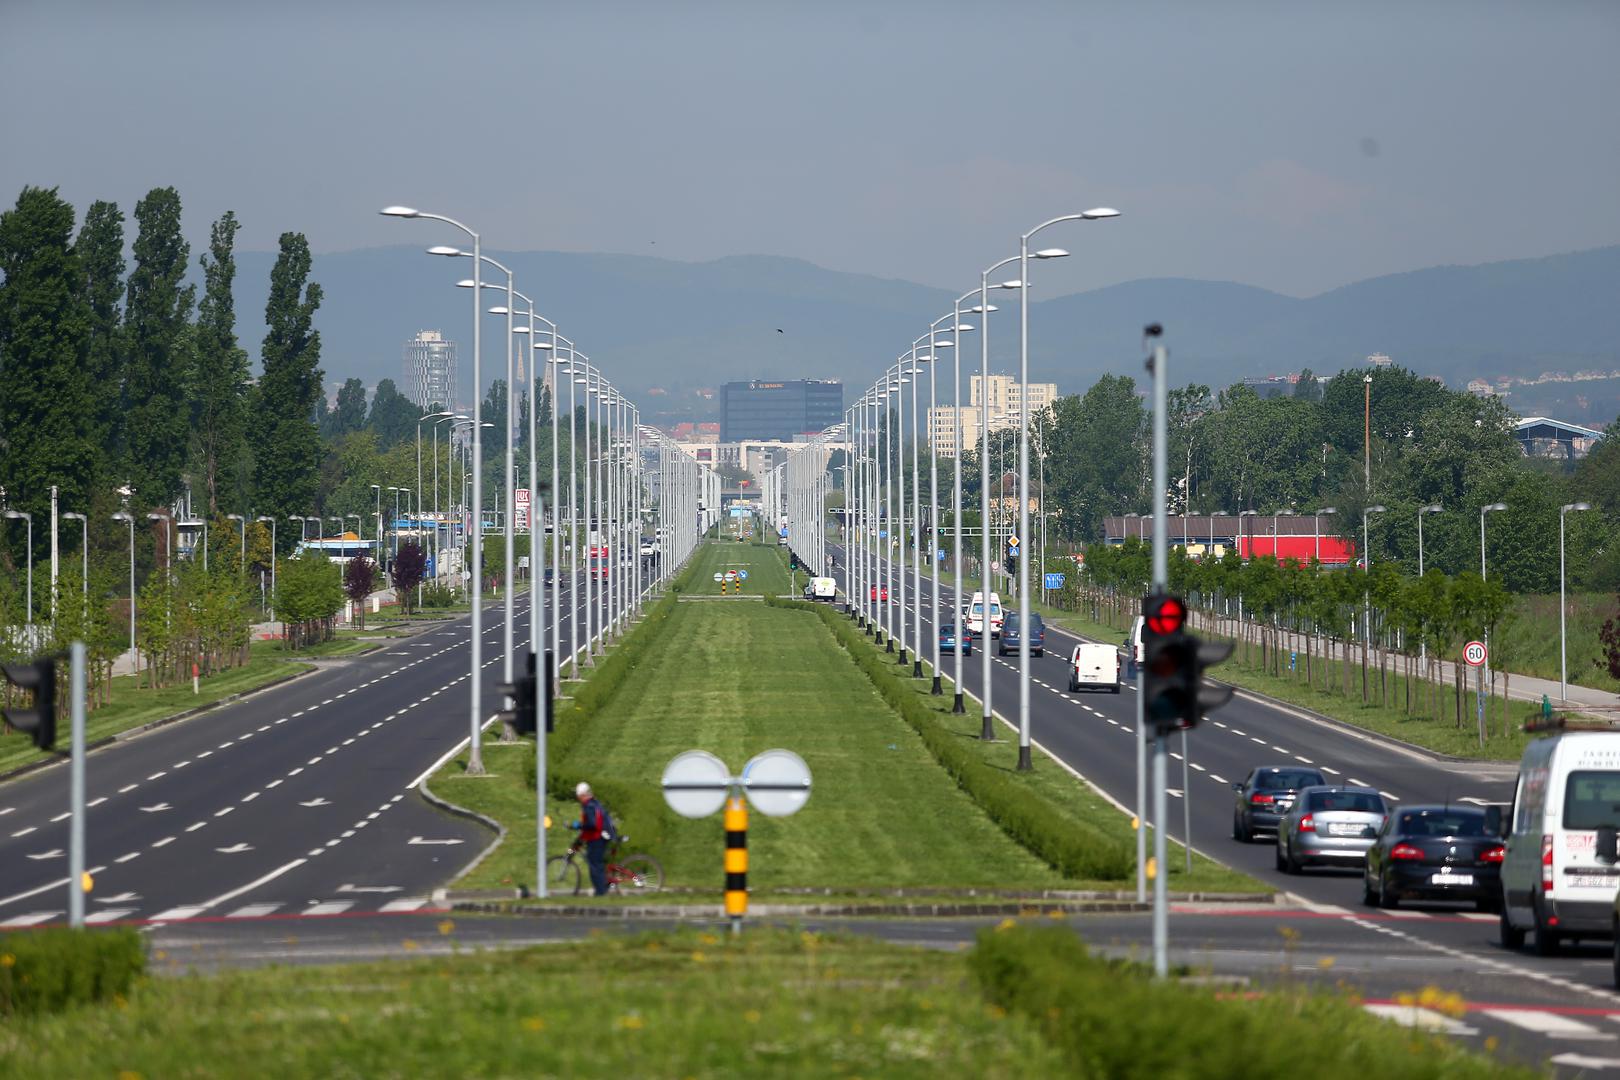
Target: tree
[[1609, 638], [410, 567], [289, 452], [1097, 461], [494, 441], [350, 414], [394, 416], [359, 578], [308, 594], [1308, 389], [219, 382], [101, 259], [47, 402], [156, 319]]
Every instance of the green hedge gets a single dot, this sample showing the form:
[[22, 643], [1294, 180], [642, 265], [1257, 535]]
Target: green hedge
[[1072, 848], [1113, 1019], [45, 971]]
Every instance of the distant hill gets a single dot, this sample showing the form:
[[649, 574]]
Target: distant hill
[[682, 326]]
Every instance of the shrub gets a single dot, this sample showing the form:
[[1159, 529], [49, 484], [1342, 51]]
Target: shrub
[[1072, 848], [1113, 1019], [50, 970], [438, 596]]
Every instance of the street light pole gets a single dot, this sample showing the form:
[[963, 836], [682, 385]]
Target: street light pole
[[29, 519], [274, 556], [135, 653], [84, 552], [987, 727], [1563, 659]]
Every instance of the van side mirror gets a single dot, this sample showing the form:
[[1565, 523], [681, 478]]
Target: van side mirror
[[1495, 823], [1607, 841]]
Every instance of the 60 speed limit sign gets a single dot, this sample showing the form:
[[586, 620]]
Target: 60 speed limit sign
[[1474, 653]]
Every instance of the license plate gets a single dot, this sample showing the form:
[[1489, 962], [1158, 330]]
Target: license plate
[[1451, 879], [1345, 830], [1591, 881]]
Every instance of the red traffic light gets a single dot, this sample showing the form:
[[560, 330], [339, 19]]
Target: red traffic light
[[1167, 616]]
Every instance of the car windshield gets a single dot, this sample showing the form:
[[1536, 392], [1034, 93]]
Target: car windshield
[[1287, 779], [1362, 802], [947, 630], [1442, 823], [1592, 799]]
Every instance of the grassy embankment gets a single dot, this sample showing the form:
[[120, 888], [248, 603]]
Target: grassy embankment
[[1024, 1001], [739, 678]]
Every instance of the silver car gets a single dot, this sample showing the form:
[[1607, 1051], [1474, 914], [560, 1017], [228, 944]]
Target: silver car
[[1330, 825]]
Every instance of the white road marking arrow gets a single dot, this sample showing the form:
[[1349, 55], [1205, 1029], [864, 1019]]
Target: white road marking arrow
[[121, 898], [413, 840], [235, 849], [57, 853], [316, 802], [371, 888], [1582, 1061], [155, 809]]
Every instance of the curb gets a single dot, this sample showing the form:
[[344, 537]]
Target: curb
[[715, 910], [439, 895]]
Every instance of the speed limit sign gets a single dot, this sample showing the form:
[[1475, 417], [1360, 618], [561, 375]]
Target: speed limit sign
[[1474, 653]]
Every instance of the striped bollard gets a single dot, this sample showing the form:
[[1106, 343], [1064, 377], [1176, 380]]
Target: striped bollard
[[736, 861]]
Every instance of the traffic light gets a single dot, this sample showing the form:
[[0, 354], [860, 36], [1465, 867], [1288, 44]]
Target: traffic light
[[1175, 692], [39, 720], [521, 691]]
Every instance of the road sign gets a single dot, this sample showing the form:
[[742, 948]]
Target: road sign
[[695, 783], [1054, 581], [994, 565], [1474, 653], [520, 498], [719, 577], [777, 782], [939, 556], [743, 574], [1012, 543]]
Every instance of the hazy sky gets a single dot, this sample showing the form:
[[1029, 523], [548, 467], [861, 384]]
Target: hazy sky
[[1292, 145]]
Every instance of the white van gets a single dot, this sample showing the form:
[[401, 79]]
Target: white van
[[1559, 872], [974, 615], [823, 588], [1134, 647], [1094, 666]]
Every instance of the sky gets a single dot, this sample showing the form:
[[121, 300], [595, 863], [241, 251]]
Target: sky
[[1295, 146]]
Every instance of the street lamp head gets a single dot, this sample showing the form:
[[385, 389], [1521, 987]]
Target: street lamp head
[[499, 310], [234, 517], [1367, 378], [1432, 508], [981, 309], [154, 516], [121, 516], [1015, 283], [1376, 509], [537, 344], [17, 514], [1575, 506], [467, 283], [1049, 253], [398, 211], [73, 515], [1492, 508], [442, 249], [1100, 213], [264, 517]]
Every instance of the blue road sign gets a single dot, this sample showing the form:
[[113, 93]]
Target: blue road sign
[[940, 557], [743, 574], [1054, 581]]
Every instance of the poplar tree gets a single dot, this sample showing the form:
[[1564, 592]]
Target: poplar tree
[[220, 381], [101, 259], [156, 317], [288, 444], [46, 402]]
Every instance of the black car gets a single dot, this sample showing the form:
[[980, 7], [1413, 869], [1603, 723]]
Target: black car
[[1434, 853], [1266, 796]]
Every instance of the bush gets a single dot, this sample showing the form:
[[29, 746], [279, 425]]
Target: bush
[[45, 971], [439, 596], [1111, 1018], [1072, 848]]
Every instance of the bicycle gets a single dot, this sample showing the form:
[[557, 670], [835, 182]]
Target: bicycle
[[634, 874]]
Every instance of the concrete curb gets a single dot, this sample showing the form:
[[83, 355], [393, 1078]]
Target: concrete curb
[[439, 895], [715, 910]]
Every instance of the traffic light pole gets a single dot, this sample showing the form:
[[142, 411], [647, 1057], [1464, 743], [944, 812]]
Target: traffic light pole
[[76, 829], [1161, 583]]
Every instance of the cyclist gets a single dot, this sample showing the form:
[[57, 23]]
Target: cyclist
[[595, 831]]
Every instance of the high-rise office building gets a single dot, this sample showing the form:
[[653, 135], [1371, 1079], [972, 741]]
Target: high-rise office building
[[431, 376], [779, 410], [1005, 399]]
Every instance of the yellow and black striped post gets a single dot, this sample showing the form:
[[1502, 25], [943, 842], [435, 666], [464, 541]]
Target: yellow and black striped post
[[736, 861]]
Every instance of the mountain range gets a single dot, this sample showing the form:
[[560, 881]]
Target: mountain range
[[658, 324]]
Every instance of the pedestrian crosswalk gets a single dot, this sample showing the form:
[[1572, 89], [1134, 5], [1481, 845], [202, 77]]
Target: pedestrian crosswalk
[[1584, 1025], [314, 908]]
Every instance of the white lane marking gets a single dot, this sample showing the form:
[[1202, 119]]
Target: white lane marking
[[61, 817], [252, 911], [1331, 771], [1426, 1019], [316, 802], [1550, 1024], [254, 884], [1218, 778], [235, 849], [403, 905], [163, 842], [180, 764], [205, 753], [24, 832], [250, 796], [295, 772], [226, 743], [274, 783], [156, 808], [8, 809], [30, 918], [1303, 760], [1359, 783], [126, 789], [195, 827], [54, 853], [420, 840], [1390, 795], [127, 858], [222, 812], [155, 775], [176, 913], [110, 915], [311, 761]]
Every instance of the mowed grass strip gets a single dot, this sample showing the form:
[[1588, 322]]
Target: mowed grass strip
[[770, 1003], [736, 679], [766, 574]]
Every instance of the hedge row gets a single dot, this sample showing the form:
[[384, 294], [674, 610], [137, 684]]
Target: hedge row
[[1073, 848], [1113, 1019], [45, 971]]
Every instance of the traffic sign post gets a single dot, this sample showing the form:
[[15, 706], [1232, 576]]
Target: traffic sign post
[[696, 784], [1474, 655]]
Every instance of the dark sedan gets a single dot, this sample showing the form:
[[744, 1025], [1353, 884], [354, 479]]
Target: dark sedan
[[1434, 853], [1266, 797]]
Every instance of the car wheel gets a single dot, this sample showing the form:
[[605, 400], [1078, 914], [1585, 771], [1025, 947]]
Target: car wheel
[[1282, 863], [1368, 898], [1388, 899], [1244, 833], [1041, 653], [1547, 941], [1617, 955], [1512, 936], [1074, 687], [1114, 689]]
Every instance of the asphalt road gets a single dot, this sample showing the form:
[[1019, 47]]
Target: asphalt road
[[295, 800]]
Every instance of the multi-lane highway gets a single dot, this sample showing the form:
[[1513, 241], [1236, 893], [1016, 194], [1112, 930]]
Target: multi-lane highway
[[295, 800]]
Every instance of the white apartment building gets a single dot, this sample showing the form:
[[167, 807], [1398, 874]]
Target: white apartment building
[[430, 370], [1006, 405]]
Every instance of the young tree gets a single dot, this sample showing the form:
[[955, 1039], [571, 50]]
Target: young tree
[[359, 578], [47, 402], [219, 383], [410, 566], [288, 445], [156, 320], [101, 259]]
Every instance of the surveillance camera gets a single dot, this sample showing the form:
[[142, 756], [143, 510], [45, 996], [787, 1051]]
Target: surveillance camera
[[1152, 330]]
